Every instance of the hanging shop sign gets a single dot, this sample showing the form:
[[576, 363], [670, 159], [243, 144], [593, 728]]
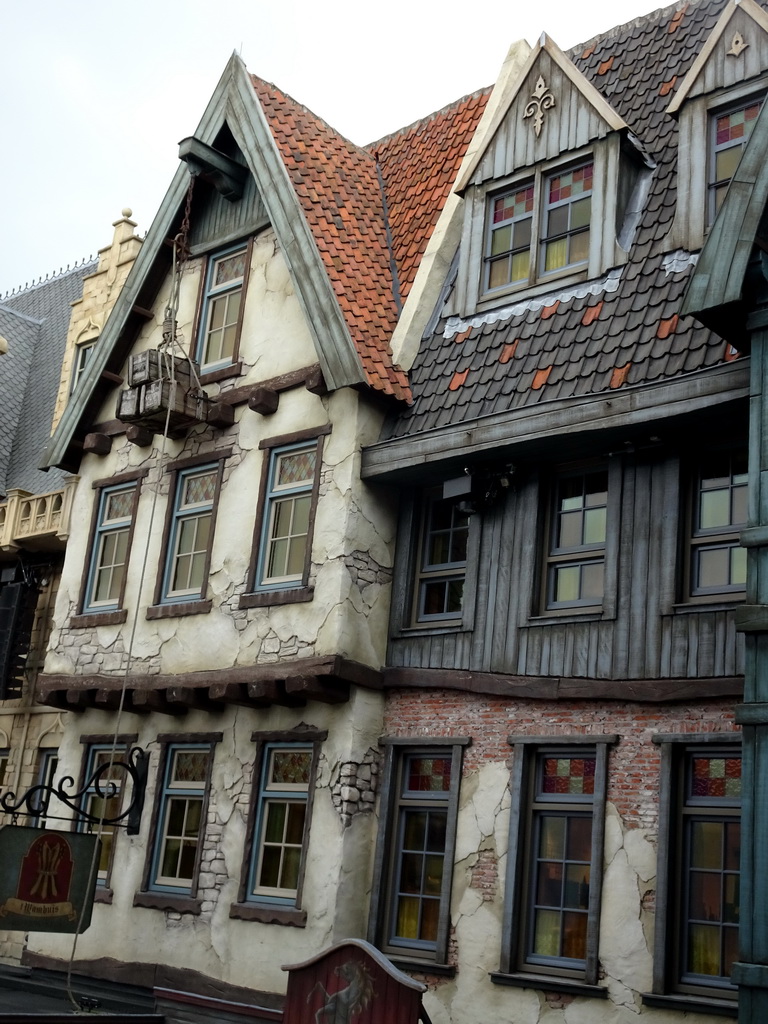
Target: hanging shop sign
[[351, 981], [47, 879]]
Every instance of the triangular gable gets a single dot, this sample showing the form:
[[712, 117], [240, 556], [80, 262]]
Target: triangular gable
[[736, 50], [715, 294], [236, 103], [552, 109]]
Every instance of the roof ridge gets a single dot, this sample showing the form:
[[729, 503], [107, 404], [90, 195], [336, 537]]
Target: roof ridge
[[428, 117], [14, 293], [297, 103], [660, 14]]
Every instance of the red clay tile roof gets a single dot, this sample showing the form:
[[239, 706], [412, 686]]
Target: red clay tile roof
[[338, 186], [418, 166]]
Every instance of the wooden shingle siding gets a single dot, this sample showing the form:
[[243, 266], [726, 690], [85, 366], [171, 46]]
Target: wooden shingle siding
[[645, 630], [220, 221]]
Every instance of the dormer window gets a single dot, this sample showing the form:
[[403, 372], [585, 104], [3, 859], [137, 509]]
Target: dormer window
[[222, 308], [540, 227], [729, 131]]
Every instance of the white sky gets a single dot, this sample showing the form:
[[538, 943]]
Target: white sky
[[97, 94]]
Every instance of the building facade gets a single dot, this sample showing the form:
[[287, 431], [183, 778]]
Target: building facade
[[408, 545]]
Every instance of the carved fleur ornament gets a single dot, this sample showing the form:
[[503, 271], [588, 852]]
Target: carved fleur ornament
[[541, 100], [738, 45]]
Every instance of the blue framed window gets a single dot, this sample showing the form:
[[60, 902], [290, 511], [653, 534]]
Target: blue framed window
[[222, 308], [288, 510], [190, 533], [281, 823], [3, 767], [180, 815], [47, 767], [110, 548]]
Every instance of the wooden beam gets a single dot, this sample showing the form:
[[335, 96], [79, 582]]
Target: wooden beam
[[319, 688]]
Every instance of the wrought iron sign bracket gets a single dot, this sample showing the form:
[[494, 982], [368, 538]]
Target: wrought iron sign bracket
[[103, 784]]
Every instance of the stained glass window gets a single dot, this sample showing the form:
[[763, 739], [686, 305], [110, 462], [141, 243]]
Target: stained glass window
[[710, 856], [282, 558], [730, 131], [418, 873], [222, 308], [510, 237], [280, 823], [568, 215], [181, 829], [109, 554], [190, 536], [103, 799]]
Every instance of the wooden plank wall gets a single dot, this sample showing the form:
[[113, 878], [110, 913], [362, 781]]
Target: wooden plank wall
[[650, 633]]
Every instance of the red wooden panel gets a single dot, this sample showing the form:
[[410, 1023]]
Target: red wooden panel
[[351, 983]]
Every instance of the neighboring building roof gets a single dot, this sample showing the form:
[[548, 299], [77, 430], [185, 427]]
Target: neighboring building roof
[[351, 196], [35, 323], [600, 336]]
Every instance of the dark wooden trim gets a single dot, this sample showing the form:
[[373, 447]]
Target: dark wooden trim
[[542, 983], [157, 977], [430, 741], [562, 688], [124, 739], [694, 739], [179, 609], [198, 460], [283, 382], [296, 437], [112, 378], [570, 739], [90, 620], [238, 1009], [690, 1004], [192, 738], [266, 598], [224, 373], [113, 428], [146, 314], [119, 478], [97, 444], [333, 666], [167, 901]]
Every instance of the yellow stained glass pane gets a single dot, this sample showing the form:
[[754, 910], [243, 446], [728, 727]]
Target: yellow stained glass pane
[[556, 255]]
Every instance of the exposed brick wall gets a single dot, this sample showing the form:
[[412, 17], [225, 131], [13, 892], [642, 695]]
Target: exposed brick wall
[[633, 766]]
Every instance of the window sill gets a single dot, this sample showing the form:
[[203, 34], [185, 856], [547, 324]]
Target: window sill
[[714, 603], [88, 620], [414, 966], [223, 373], [264, 598], [546, 983], [268, 915], [167, 901], [432, 629], [692, 1004], [102, 895], [568, 615], [173, 611], [531, 289]]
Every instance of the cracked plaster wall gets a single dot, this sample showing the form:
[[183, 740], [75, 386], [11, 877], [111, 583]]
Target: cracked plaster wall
[[631, 832], [336, 884], [352, 543]]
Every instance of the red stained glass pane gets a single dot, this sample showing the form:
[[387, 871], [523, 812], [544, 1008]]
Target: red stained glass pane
[[431, 774], [716, 777], [568, 775]]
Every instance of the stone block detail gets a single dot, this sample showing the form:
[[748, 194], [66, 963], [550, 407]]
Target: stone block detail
[[353, 788]]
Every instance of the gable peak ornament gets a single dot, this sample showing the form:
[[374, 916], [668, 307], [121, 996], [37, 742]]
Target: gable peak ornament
[[738, 45], [541, 100]]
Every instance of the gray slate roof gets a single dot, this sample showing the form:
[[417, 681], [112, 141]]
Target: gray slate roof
[[611, 339], [34, 322]]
